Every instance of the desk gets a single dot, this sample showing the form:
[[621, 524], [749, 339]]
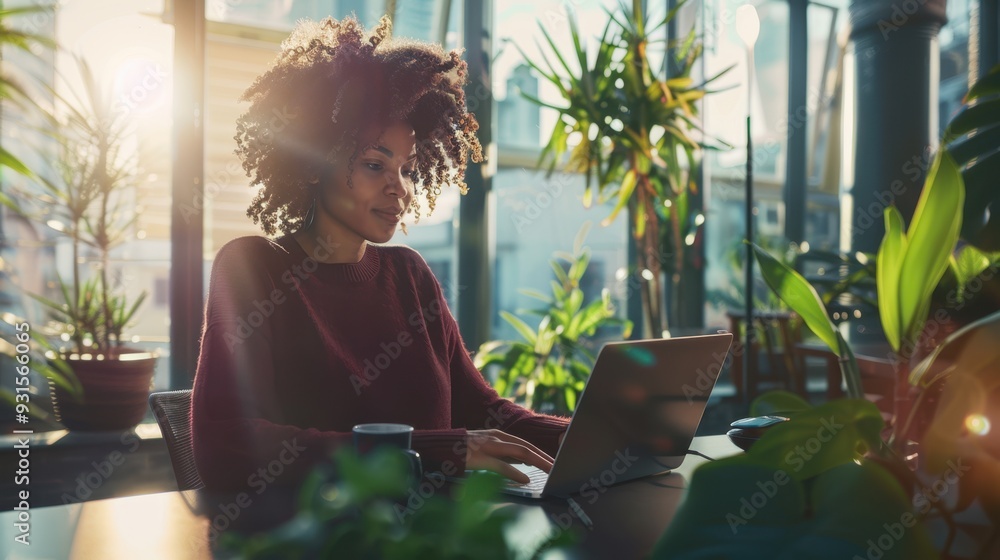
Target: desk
[[128, 463], [628, 520]]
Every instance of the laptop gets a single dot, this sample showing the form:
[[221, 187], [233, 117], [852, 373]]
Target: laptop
[[636, 416]]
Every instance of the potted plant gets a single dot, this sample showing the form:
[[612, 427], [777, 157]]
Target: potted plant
[[548, 369], [834, 480], [19, 344], [86, 201], [829, 483], [635, 131], [367, 507]]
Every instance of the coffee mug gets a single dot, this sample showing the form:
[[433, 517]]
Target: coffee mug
[[368, 437]]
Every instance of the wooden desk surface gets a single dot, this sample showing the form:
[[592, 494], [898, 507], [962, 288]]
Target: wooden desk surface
[[627, 521]]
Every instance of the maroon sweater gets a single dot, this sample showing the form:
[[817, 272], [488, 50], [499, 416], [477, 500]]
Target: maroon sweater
[[295, 352]]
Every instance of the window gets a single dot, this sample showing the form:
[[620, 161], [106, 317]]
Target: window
[[725, 119], [536, 216], [129, 52], [418, 19], [959, 57], [161, 292]]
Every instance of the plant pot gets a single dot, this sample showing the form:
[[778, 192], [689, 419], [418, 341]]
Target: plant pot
[[933, 335], [115, 391]]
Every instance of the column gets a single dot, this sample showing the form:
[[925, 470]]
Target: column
[[896, 76], [475, 244]]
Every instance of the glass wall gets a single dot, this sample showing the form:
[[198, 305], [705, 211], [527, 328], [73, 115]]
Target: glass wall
[[243, 38], [827, 42], [435, 235], [418, 19], [537, 216], [959, 57], [725, 171], [128, 49]]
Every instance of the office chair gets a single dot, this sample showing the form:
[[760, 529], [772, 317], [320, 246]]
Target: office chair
[[172, 411]]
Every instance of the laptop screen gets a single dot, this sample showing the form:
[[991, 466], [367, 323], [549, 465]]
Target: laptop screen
[[639, 411]]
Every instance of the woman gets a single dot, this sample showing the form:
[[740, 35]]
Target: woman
[[318, 330]]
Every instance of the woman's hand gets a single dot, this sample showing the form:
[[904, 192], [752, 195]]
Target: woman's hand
[[495, 450]]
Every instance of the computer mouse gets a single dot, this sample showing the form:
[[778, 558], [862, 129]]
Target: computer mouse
[[746, 431]]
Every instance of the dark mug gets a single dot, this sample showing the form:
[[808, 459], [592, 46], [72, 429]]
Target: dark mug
[[367, 437]]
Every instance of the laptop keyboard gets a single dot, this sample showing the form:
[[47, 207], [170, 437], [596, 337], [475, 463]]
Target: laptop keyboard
[[538, 478]]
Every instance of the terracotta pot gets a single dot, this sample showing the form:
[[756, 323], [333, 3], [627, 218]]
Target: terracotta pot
[[115, 391]]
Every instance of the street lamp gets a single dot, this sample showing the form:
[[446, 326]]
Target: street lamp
[[748, 29]]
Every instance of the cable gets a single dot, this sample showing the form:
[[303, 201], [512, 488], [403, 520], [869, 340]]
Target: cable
[[700, 454]]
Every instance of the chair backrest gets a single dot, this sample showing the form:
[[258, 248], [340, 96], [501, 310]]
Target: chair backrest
[[172, 411]]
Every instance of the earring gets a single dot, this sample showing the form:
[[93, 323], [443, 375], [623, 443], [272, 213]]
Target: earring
[[310, 216]]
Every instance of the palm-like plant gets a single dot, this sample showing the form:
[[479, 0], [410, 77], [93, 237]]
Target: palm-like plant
[[10, 89], [971, 138], [86, 202], [548, 369], [637, 138]]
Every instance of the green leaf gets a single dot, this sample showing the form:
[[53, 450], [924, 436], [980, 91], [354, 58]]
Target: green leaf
[[624, 194], [579, 267], [9, 160], [987, 85], [640, 219], [780, 403], [539, 102], [520, 326], [834, 433], [798, 294], [557, 288], [975, 147], [889, 267], [574, 302], [555, 50], [569, 393], [970, 263], [849, 369], [973, 117], [971, 349], [68, 383], [126, 316], [535, 294], [738, 508], [930, 239]]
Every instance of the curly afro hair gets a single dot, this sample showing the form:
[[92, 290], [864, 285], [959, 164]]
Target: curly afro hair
[[327, 86]]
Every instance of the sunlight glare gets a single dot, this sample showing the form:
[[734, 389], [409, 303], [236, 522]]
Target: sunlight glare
[[977, 424]]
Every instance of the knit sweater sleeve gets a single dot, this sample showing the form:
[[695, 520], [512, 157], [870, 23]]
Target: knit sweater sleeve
[[237, 429], [477, 406]]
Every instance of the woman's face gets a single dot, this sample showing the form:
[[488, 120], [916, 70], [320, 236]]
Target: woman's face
[[381, 191]]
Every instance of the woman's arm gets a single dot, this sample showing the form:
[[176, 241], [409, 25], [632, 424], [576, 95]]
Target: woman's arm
[[477, 406]]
